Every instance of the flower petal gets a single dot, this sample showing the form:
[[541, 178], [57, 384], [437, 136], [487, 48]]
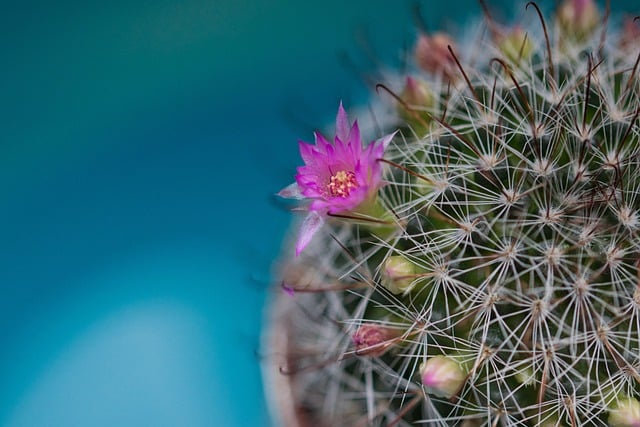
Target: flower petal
[[320, 205], [311, 224], [355, 143], [291, 191], [307, 152], [342, 125], [384, 142], [321, 144]]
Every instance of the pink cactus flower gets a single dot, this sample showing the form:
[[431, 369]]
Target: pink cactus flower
[[337, 177]]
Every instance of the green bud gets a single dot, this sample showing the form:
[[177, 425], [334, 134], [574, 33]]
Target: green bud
[[626, 413], [399, 274], [417, 97], [516, 45]]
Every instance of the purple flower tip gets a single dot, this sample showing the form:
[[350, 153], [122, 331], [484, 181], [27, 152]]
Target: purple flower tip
[[288, 289]]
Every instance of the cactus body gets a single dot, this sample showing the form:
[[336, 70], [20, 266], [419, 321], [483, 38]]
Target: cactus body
[[508, 244]]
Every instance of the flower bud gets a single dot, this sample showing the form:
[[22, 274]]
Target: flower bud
[[630, 37], [578, 18], [515, 45], [551, 421], [433, 56], [443, 376], [399, 274], [417, 97], [373, 340], [526, 376], [626, 413]]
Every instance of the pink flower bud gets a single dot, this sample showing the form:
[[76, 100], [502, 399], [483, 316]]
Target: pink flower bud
[[625, 414], [417, 97], [443, 376], [630, 37], [373, 340], [433, 55], [578, 17]]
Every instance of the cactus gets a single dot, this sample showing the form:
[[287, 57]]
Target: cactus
[[481, 266]]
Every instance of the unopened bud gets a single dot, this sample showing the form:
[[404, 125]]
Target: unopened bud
[[551, 422], [433, 55], [373, 340], [416, 97], [399, 274], [578, 18], [516, 45], [630, 37], [626, 413], [526, 376], [443, 376]]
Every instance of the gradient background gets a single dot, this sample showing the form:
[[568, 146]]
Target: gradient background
[[140, 143]]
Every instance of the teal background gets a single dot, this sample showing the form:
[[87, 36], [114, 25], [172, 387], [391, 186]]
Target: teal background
[[140, 145]]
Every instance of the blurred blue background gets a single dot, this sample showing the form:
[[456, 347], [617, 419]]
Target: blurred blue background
[[140, 144]]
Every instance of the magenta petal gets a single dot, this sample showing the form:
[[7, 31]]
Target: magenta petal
[[355, 143], [342, 124], [306, 152], [312, 192], [384, 143], [321, 143], [311, 224], [319, 205]]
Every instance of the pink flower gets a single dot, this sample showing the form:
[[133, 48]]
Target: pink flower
[[337, 177]]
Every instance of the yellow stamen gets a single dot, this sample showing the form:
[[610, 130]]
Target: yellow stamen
[[341, 183]]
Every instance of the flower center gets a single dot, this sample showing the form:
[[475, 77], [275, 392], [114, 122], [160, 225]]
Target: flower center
[[341, 183]]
